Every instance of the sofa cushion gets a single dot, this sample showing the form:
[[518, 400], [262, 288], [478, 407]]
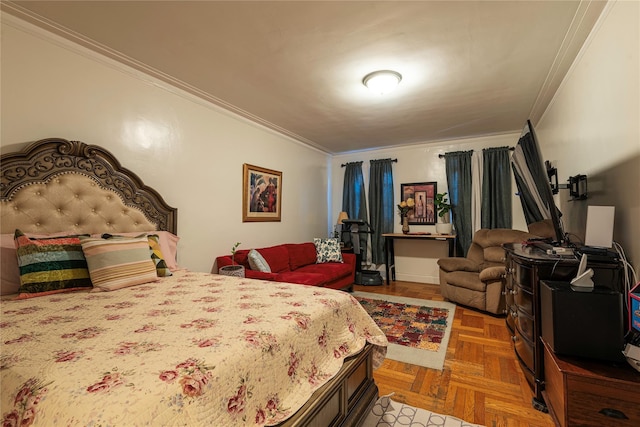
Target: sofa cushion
[[301, 254], [495, 254], [257, 262], [277, 257], [330, 270], [466, 279], [241, 257], [302, 278], [458, 264], [492, 273], [252, 274]]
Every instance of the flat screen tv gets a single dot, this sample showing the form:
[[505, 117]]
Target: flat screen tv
[[534, 188]]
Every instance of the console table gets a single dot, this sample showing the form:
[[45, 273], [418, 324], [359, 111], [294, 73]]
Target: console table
[[389, 238]]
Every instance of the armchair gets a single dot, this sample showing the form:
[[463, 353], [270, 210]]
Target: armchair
[[478, 280]]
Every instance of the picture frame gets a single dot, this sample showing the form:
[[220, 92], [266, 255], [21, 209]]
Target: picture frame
[[261, 194], [424, 210]]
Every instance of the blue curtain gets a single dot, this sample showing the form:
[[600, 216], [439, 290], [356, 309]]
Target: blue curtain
[[496, 188], [458, 170], [353, 198], [380, 206]]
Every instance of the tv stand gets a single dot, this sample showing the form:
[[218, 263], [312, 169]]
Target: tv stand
[[526, 266]]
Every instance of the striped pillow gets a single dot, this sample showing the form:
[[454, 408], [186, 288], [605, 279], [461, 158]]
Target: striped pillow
[[155, 251], [118, 262], [50, 265]]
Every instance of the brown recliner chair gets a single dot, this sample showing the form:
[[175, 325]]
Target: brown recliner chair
[[478, 280]]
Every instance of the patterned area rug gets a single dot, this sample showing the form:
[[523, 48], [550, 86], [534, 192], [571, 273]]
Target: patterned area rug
[[418, 330], [387, 413]]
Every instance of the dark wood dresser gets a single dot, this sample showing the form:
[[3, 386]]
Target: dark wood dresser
[[582, 392], [526, 267]]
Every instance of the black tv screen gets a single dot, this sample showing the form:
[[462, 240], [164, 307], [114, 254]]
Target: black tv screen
[[534, 189]]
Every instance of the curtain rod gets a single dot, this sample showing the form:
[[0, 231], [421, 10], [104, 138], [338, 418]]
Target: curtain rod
[[393, 160], [442, 155]]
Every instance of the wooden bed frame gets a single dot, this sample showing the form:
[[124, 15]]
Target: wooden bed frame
[[344, 401]]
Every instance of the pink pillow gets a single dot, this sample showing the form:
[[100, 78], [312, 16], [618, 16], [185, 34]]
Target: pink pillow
[[9, 270]]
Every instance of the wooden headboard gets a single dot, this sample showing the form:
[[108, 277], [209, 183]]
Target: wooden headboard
[[59, 185]]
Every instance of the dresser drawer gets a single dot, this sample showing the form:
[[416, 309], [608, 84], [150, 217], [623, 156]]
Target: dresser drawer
[[524, 350], [528, 373], [593, 402], [522, 275], [525, 324], [510, 319], [524, 298]]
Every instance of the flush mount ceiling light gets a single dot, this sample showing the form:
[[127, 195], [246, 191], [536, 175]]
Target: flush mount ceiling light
[[383, 81]]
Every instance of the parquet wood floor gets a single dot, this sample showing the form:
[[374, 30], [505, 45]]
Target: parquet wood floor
[[481, 381]]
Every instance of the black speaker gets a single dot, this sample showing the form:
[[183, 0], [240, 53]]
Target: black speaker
[[585, 324]]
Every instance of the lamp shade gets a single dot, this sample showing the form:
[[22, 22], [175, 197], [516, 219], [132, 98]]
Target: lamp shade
[[342, 217]]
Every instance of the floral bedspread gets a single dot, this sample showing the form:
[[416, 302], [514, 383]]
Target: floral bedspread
[[191, 349]]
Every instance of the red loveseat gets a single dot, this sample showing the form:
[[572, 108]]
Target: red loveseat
[[296, 263]]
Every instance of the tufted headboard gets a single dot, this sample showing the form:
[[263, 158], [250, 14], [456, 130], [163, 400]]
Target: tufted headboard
[[58, 185]]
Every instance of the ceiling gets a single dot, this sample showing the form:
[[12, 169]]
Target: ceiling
[[469, 68]]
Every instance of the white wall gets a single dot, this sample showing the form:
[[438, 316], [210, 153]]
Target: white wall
[[190, 151], [592, 126], [416, 261]]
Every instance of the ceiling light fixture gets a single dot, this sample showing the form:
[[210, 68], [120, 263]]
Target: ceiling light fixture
[[382, 81]]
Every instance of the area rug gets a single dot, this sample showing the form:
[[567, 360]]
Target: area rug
[[418, 330], [388, 413]]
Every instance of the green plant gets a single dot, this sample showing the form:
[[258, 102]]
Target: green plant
[[233, 253], [442, 206]]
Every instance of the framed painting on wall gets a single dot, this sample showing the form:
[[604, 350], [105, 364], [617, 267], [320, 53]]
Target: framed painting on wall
[[261, 194], [423, 194]]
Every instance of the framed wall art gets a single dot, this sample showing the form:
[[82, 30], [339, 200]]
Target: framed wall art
[[261, 194], [422, 193]]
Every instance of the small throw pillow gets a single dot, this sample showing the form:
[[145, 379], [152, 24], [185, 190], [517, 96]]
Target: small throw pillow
[[257, 262], [156, 255], [327, 250], [50, 265], [118, 262]]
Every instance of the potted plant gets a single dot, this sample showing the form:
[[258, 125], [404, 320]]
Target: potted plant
[[442, 208], [233, 269]]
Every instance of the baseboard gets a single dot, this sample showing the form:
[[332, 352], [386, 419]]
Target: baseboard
[[417, 278]]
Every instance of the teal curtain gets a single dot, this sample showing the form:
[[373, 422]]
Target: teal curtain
[[458, 170], [496, 188], [380, 206], [353, 198]]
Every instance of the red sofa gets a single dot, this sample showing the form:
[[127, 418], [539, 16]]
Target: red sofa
[[296, 263]]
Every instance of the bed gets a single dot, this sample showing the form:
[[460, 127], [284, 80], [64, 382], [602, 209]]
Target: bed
[[188, 348]]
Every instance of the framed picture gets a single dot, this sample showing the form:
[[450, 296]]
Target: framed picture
[[261, 194], [422, 193]]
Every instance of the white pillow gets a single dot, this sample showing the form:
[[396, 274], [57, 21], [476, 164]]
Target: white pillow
[[257, 262]]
